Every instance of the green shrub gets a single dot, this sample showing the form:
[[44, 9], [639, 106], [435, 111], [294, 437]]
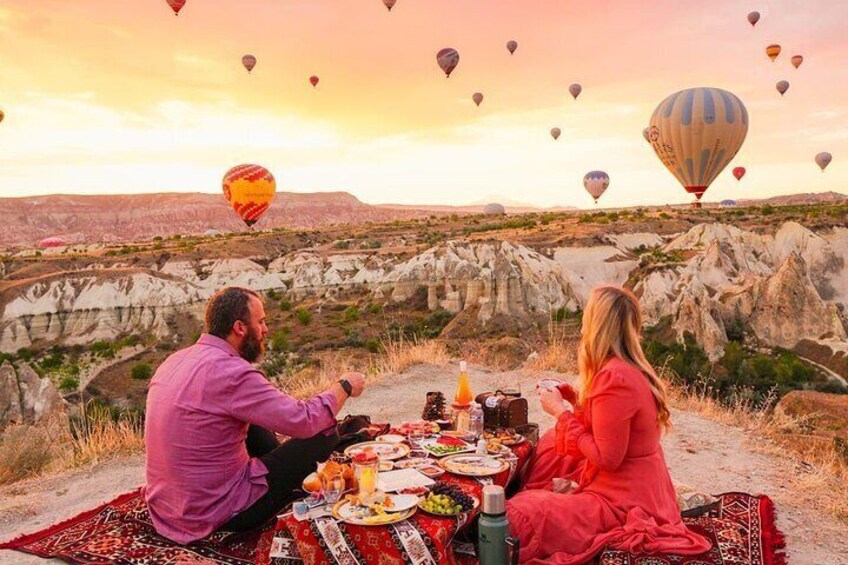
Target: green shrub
[[141, 371], [665, 216], [69, 384], [303, 316], [352, 314], [375, 309], [285, 305], [272, 294], [25, 353], [343, 244], [372, 345], [280, 340]]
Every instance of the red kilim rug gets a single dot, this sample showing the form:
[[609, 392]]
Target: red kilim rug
[[742, 529]]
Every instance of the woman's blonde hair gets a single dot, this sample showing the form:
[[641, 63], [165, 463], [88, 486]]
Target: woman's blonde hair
[[612, 326]]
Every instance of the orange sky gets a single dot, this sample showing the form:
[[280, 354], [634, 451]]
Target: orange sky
[[118, 96]]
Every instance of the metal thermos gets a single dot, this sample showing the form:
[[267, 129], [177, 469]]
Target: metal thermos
[[495, 547]]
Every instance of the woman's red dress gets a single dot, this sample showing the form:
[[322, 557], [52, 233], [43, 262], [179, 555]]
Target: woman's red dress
[[625, 498]]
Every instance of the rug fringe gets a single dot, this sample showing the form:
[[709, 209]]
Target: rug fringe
[[26, 539], [773, 538]]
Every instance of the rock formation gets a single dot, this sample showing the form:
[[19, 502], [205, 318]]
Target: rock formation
[[26, 398]]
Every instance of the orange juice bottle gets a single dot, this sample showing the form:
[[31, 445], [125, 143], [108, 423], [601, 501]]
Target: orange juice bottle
[[463, 390]]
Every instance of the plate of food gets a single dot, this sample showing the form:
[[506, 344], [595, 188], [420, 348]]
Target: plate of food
[[423, 426], [504, 437], [497, 449], [386, 465], [445, 445], [431, 471], [473, 465], [383, 450], [314, 482], [413, 463], [448, 500], [379, 509], [391, 438]]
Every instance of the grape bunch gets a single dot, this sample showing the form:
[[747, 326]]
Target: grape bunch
[[455, 493]]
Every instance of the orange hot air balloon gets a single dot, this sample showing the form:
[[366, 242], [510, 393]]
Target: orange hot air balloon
[[477, 97], [739, 172], [797, 60], [390, 4], [176, 5], [782, 87], [555, 133], [313, 80], [753, 18], [249, 61], [2, 115], [773, 51], [447, 59], [512, 46], [575, 90], [249, 189]]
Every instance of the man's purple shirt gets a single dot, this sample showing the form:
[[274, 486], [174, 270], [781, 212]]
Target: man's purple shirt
[[199, 405]]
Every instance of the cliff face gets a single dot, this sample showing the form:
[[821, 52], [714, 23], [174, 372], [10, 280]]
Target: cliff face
[[26, 398]]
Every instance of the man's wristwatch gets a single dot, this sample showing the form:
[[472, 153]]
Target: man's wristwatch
[[348, 388]]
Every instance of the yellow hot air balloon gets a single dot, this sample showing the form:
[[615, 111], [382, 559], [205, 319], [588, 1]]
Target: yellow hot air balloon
[[696, 133], [773, 51], [249, 189]]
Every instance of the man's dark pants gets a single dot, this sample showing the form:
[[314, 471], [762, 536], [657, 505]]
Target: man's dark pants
[[288, 464]]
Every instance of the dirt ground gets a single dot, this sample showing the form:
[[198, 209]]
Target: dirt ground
[[700, 452]]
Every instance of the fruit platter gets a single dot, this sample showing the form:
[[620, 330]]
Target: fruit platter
[[383, 450], [503, 436], [473, 465], [447, 499], [376, 509], [445, 445]]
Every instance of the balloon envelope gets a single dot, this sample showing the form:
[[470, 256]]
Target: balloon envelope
[[575, 90], [313, 80], [739, 172], [555, 133], [176, 5], [447, 59], [2, 115], [390, 4], [696, 133], [494, 209], [511, 46], [782, 87], [646, 133], [249, 189], [596, 183], [728, 203], [773, 51], [477, 97], [753, 18], [249, 61], [51, 242], [797, 60], [823, 159]]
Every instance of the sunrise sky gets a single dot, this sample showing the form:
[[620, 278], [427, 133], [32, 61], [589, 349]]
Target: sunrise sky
[[120, 96]]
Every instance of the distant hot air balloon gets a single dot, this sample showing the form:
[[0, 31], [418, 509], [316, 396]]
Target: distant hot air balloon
[[739, 172], [448, 59], [2, 115], [249, 61], [494, 209], [596, 183], [555, 133], [773, 51], [728, 203], [753, 18], [782, 87], [249, 189], [477, 97], [646, 133], [575, 90], [797, 60], [390, 4], [511, 46], [176, 5], [313, 80], [49, 242], [823, 159], [696, 133]]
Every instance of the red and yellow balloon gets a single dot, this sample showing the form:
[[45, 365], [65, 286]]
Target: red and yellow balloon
[[249, 189]]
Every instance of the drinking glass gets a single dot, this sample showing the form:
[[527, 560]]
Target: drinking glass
[[334, 487], [415, 437]]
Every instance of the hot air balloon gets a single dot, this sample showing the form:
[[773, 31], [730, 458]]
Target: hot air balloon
[[249, 189], [477, 97], [823, 159], [696, 133], [797, 60], [646, 133], [494, 209], [555, 133], [49, 242], [739, 172], [773, 51], [313, 80], [511, 46], [753, 18], [2, 115], [390, 4], [575, 90], [448, 59], [249, 61], [596, 183], [728, 203], [176, 5], [782, 87]]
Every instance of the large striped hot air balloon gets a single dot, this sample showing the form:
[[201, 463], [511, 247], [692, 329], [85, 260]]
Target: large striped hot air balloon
[[823, 159], [511, 46], [176, 5], [249, 61], [447, 59], [696, 133], [575, 90], [555, 133], [249, 189], [773, 51], [596, 183]]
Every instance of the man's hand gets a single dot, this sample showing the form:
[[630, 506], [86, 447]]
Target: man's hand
[[357, 383]]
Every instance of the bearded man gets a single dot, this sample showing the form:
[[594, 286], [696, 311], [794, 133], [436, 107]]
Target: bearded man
[[213, 459]]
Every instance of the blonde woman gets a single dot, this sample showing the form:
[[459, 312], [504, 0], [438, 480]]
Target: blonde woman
[[608, 443]]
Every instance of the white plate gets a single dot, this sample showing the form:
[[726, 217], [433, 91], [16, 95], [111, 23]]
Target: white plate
[[394, 481], [387, 451], [428, 444], [401, 502], [348, 514], [413, 463], [385, 465], [391, 438], [473, 465]]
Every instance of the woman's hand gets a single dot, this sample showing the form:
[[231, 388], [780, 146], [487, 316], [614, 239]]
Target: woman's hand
[[551, 400]]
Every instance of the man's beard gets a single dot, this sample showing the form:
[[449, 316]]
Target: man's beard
[[252, 348]]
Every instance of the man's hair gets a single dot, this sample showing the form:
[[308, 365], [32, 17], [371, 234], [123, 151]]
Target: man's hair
[[226, 307]]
